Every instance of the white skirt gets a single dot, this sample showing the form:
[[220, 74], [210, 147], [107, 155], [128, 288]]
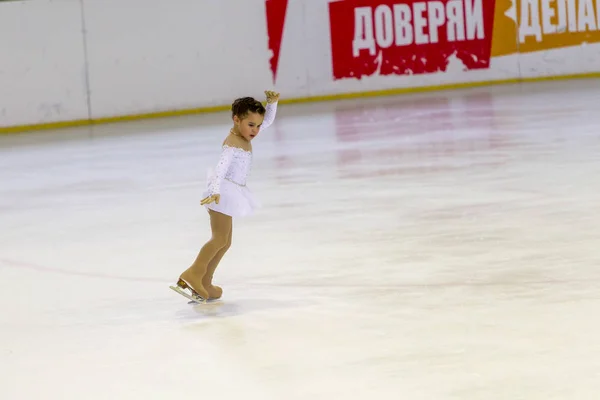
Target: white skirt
[[236, 200]]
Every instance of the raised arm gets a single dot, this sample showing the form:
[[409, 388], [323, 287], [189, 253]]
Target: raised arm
[[271, 109]]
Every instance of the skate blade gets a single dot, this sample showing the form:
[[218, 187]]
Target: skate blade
[[197, 300], [209, 301]]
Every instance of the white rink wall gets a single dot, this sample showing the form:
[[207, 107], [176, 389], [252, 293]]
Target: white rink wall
[[42, 63], [66, 60]]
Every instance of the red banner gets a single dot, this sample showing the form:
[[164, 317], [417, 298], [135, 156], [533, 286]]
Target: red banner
[[387, 37], [276, 10]]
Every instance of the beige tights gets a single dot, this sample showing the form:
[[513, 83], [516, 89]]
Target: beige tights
[[200, 274]]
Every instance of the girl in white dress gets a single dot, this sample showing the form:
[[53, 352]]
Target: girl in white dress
[[227, 195]]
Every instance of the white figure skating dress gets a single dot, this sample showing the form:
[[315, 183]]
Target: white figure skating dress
[[229, 177]]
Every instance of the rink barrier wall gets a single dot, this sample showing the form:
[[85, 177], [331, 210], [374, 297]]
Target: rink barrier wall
[[334, 97], [83, 62]]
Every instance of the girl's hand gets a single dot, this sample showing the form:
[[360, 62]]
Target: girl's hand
[[272, 97], [207, 200]]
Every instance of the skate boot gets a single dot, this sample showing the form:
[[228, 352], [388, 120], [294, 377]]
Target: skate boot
[[188, 281]]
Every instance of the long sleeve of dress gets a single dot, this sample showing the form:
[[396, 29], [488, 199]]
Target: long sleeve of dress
[[221, 170], [271, 111]]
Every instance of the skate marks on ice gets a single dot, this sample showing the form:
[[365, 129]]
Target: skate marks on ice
[[10, 263], [229, 307]]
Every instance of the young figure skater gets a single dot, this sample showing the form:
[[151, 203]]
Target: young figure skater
[[227, 195]]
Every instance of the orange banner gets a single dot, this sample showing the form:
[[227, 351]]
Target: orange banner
[[538, 25]]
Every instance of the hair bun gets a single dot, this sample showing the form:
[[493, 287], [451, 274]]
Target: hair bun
[[244, 105]]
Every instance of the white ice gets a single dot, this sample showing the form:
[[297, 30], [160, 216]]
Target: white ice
[[439, 246]]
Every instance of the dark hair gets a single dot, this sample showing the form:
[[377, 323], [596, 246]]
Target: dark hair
[[244, 105]]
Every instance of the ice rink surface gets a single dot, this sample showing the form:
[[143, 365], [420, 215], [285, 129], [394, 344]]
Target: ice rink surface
[[439, 246]]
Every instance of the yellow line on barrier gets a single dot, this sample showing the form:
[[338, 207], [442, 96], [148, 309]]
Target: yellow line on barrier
[[331, 97]]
